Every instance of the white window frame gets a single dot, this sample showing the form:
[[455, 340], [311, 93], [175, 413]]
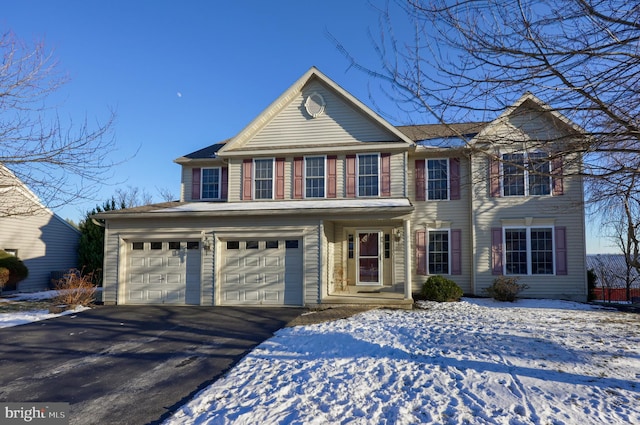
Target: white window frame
[[426, 167], [429, 231], [377, 155], [529, 252], [273, 180], [324, 177], [202, 182], [525, 157]]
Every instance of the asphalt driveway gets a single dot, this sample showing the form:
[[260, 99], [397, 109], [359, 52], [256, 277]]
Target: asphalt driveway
[[129, 364]]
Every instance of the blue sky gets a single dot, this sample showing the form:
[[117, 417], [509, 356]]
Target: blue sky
[[185, 74]]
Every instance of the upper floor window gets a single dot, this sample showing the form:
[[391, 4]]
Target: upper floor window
[[368, 174], [526, 174], [263, 178], [437, 179], [528, 250], [210, 187], [315, 177]]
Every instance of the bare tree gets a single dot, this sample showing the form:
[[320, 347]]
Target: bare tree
[[58, 160], [470, 59]]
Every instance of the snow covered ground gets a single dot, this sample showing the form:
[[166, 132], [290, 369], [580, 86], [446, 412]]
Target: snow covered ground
[[22, 317], [472, 362]]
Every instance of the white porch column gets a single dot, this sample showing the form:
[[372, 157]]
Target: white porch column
[[408, 256]]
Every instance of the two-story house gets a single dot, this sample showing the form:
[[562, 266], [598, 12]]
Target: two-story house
[[319, 200]]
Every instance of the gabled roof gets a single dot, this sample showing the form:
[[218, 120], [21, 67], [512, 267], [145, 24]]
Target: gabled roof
[[533, 103], [292, 92]]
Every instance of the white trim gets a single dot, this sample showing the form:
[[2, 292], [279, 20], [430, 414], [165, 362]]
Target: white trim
[[273, 178], [525, 157], [304, 177], [426, 178], [439, 229], [528, 242], [219, 182], [377, 154]]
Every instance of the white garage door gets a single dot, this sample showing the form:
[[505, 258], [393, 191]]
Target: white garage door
[[163, 272], [262, 272]]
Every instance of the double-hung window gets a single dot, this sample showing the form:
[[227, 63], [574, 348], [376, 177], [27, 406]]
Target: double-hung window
[[315, 177], [210, 183], [368, 175], [438, 252], [263, 178], [526, 174], [529, 250], [437, 179]]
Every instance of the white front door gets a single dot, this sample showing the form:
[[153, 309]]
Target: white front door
[[369, 258]]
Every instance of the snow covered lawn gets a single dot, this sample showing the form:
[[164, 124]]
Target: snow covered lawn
[[472, 362], [16, 318]]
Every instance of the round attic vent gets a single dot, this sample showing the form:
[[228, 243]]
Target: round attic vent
[[314, 104]]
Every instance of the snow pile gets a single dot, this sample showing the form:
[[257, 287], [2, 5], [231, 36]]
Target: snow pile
[[476, 362]]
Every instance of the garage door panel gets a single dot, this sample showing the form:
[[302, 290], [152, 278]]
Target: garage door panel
[[272, 296], [272, 261], [232, 296], [252, 296], [164, 274], [174, 278], [257, 276]]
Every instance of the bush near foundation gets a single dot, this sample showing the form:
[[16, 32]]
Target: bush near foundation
[[75, 289], [17, 270], [441, 289], [505, 289]]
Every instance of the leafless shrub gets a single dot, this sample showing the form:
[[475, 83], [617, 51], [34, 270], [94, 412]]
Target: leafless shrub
[[75, 289]]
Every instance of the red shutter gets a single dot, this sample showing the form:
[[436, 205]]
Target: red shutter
[[298, 164], [195, 183], [421, 190], [224, 183], [279, 178], [456, 251], [247, 167], [558, 182], [496, 251], [561, 251], [454, 179], [494, 177], [385, 174], [351, 176], [421, 251], [332, 180]]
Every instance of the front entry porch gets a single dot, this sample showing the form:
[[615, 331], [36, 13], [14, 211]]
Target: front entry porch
[[368, 263]]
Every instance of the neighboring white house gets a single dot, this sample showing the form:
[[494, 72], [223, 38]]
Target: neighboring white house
[[319, 200], [42, 240]]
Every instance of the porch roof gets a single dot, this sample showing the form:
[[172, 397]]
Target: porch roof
[[363, 206]]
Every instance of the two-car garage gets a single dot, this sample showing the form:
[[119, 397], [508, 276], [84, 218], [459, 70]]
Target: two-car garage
[[256, 271]]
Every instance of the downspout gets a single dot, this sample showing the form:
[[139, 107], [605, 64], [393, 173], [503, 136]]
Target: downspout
[[408, 284]]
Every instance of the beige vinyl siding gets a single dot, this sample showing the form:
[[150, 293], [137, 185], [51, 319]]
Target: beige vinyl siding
[[398, 165], [440, 215], [122, 231], [340, 123], [564, 210], [45, 243]]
